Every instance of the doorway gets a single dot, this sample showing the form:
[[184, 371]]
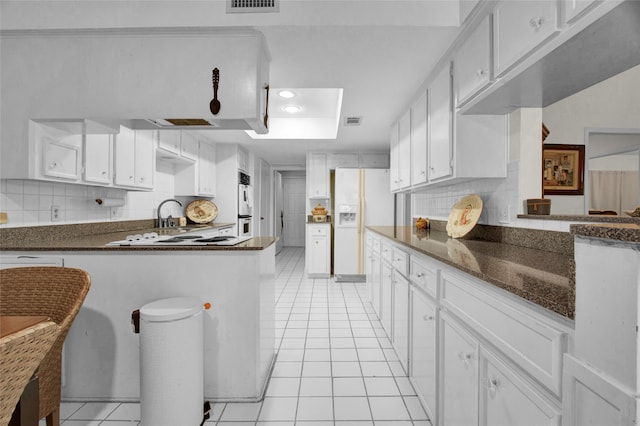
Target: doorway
[[294, 186]]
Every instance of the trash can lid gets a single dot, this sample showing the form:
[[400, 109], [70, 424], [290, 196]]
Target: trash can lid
[[171, 309]]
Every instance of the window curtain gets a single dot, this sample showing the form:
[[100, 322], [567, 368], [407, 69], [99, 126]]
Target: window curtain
[[613, 190]]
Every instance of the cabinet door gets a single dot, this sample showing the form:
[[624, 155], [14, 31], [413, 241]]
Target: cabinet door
[[404, 150], [423, 349], [97, 159], [189, 146], [207, 169], [472, 63], [318, 175], [419, 137], [459, 369], [375, 282], [385, 297], [318, 259], [243, 160], [169, 140], [573, 9], [62, 157], [506, 399], [125, 157], [401, 318], [145, 158], [440, 126], [519, 27], [394, 165]]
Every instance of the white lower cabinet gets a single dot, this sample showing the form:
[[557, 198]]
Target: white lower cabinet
[[422, 355], [400, 333], [318, 250], [475, 355], [459, 374], [506, 399], [373, 276], [386, 292]]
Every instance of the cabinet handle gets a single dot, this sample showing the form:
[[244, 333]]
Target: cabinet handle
[[420, 275], [104, 173], [537, 22], [480, 72], [422, 172], [142, 179], [466, 358], [493, 386], [53, 165], [428, 317]]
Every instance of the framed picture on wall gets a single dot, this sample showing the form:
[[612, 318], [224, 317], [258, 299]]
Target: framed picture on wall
[[563, 169]]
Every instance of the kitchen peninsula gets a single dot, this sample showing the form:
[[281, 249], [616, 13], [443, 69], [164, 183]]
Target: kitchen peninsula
[[102, 352]]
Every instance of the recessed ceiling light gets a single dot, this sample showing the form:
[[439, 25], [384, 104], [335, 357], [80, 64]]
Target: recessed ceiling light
[[287, 94], [291, 109]]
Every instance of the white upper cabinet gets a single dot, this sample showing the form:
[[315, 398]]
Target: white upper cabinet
[[317, 176], [440, 126], [472, 63], [394, 160], [572, 9], [56, 152], [198, 179], [521, 26], [243, 160], [177, 146], [134, 158], [404, 151], [188, 146], [98, 158], [207, 169], [419, 140]]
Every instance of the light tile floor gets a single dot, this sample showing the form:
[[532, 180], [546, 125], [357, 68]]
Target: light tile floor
[[335, 365]]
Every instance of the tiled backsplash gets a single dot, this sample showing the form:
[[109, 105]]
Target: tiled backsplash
[[497, 195], [28, 202]]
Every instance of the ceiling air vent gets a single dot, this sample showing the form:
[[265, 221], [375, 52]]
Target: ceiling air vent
[[253, 6], [352, 121]]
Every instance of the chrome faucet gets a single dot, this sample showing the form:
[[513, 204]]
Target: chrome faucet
[[168, 221]]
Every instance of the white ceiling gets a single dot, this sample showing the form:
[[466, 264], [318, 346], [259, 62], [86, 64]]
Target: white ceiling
[[378, 51]]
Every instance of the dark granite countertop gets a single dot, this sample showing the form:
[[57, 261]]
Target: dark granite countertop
[[94, 237], [582, 218], [541, 277], [611, 231]]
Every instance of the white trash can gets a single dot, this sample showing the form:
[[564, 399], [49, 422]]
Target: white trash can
[[171, 362]]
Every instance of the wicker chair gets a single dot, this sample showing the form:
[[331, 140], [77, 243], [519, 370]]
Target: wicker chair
[[57, 293], [20, 356]]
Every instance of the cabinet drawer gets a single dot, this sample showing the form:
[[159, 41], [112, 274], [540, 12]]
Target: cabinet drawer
[[531, 340], [400, 261], [319, 230], [424, 276], [387, 252]]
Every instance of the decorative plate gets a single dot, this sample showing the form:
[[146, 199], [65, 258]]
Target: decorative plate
[[202, 211], [464, 216]]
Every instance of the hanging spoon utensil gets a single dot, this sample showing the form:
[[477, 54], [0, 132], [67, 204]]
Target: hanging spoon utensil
[[214, 105]]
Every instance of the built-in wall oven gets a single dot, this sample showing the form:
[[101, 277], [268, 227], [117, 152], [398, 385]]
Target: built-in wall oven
[[245, 208], [244, 226]]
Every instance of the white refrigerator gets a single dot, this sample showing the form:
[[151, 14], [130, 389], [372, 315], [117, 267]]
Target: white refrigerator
[[362, 198]]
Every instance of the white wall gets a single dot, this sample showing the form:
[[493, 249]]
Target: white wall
[[613, 103]]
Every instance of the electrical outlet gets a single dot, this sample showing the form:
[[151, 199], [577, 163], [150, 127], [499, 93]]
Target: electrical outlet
[[55, 213], [504, 214]]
